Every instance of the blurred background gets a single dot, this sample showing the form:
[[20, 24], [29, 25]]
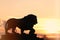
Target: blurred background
[[47, 12]]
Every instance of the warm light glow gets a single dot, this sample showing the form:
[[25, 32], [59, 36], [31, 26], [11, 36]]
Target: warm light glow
[[48, 26], [51, 26], [47, 12]]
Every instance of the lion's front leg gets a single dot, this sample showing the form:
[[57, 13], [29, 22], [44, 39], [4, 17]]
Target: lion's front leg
[[32, 31]]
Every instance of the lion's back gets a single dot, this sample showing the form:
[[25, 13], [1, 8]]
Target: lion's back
[[12, 22]]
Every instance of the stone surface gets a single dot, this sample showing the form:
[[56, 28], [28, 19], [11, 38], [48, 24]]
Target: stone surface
[[16, 36]]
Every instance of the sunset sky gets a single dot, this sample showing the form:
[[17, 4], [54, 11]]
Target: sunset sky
[[47, 12]]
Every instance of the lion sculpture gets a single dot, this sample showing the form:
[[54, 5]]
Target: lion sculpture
[[25, 23]]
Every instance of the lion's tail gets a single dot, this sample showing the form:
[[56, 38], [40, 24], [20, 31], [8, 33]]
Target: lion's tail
[[6, 27]]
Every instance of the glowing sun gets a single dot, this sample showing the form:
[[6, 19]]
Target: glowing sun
[[51, 26], [48, 26]]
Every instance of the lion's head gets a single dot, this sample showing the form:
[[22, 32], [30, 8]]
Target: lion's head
[[30, 19]]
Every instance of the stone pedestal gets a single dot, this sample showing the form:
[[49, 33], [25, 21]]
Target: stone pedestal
[[16, 36]]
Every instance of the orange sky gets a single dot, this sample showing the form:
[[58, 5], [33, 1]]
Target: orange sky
[[46, 11], [20, 8]]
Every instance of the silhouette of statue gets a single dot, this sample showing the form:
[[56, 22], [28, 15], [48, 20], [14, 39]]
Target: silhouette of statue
[[25, 23]]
